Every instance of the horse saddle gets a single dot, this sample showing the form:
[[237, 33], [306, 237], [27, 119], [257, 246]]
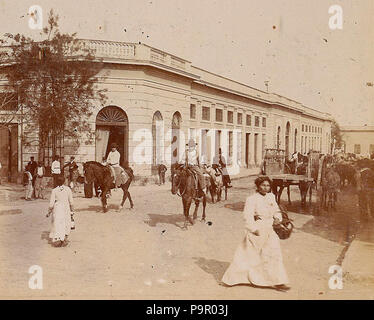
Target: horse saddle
[[119, 175]]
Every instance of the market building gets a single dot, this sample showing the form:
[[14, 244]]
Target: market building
[[358, 140], [157, 101]]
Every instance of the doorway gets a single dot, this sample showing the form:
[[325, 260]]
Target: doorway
[[111, 127]]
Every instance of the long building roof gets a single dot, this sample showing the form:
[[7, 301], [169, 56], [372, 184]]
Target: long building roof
[[142, 54]]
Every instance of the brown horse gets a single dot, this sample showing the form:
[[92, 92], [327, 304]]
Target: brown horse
[[330, 182], [183, 184], [101, 175]]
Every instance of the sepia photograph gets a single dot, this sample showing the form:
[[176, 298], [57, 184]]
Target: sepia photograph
[[191, 150]]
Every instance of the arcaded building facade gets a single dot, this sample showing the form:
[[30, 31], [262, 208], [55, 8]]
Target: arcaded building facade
[[157, 101]]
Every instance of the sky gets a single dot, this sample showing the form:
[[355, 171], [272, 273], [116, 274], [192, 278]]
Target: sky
[[285, 42]]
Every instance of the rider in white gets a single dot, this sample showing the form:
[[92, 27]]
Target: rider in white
[[113, 157], [113, 160]]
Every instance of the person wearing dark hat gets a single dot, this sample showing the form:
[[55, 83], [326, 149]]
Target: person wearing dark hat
[[73, 169], [191, 160], [112, 161]]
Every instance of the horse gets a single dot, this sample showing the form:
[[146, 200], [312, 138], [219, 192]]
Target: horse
[[364, 179], [346, 171], [223, 181], [216, 186], [101, 175], [330, 182], [184, 183]]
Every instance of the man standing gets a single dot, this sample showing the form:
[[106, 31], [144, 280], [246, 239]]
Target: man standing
[[191, 160], [39, 181], [27, 182], [161, 173], [221, 166], [32, 168], [73, 170], [55, 170]]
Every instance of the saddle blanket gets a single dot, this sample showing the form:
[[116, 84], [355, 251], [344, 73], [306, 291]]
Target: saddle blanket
[[121, 176]]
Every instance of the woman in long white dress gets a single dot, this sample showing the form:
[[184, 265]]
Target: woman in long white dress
[[61, 206], [258, 259]]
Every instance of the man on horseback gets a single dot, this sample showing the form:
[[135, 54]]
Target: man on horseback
[[191, 161], [219, 164], [112, 162]]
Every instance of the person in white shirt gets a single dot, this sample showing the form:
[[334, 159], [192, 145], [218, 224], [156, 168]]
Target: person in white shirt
[[28, 183], [191, 160], [39, 181], [112, 162], [55, 170]]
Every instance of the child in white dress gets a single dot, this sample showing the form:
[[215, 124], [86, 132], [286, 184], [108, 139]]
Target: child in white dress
[[61, 207]]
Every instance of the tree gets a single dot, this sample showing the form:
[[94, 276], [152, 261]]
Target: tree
[[336, 134], [54, 82]]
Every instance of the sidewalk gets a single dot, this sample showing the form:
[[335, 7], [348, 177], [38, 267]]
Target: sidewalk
[[358, 264], [244, 173]]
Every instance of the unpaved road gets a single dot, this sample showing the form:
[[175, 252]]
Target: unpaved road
[[144, 253]]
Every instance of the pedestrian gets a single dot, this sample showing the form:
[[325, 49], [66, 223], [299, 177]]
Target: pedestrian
[[72, 173], [258, 259], [39, 181], [27, 182], [61, 207], [32, 167], [161, 173], [0, 172], [55, 170]]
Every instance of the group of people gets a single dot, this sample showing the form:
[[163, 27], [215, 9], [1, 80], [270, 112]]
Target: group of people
[[35, 172], [258, 259], [34, 180]]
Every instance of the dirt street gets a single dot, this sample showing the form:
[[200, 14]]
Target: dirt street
[[144, 254]]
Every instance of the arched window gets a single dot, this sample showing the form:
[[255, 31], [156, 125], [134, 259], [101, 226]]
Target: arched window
[[157, 138], [295, 142], [175, 132], [287, 140], [278, 137]]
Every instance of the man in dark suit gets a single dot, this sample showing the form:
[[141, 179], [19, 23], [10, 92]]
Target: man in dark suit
[[161, 173], [32, 165]]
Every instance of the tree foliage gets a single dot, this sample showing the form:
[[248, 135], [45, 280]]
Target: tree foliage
[[336, 134], [55, 81]]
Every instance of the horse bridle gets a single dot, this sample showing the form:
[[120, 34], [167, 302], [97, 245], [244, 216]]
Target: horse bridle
[[185, 187]]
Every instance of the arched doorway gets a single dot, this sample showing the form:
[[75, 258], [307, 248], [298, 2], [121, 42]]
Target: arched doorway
[[157, 140], [295, 142], [278, 137], [112, 127], [175, 136], [287, 140]]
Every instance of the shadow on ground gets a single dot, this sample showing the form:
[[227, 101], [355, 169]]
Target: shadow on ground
[[45, 236], [111, 207], [214, 267], [10, 212], [173, 219]]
